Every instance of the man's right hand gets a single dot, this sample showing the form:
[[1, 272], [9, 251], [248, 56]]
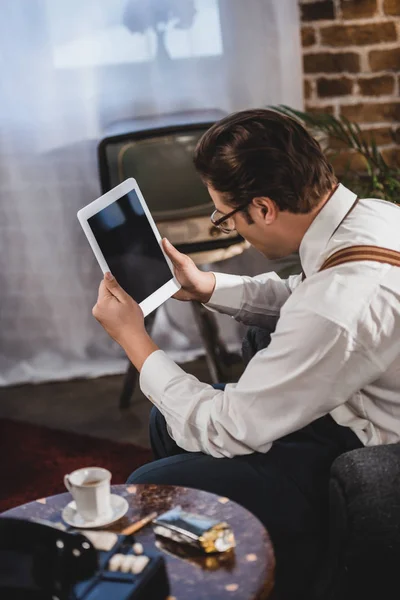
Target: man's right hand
[[195, 284]]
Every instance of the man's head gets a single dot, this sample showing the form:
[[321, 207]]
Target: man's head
[[270, 165]]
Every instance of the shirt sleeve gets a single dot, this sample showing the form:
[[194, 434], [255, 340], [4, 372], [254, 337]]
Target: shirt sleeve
[[311, 366], [251, 300]]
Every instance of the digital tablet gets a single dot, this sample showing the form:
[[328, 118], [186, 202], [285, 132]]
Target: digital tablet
[[126, 241]]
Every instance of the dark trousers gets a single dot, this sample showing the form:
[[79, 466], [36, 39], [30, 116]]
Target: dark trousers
[[286, 488]]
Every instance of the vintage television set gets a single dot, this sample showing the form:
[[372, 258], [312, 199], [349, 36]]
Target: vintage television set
[[158, 151]]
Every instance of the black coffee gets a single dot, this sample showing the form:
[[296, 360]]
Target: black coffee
[[92, 482]]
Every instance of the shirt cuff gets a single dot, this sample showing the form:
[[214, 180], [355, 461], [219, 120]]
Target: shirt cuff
[[228, 293], [157, 372]]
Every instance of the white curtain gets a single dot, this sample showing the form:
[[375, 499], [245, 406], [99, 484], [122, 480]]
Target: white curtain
[[68, 69]]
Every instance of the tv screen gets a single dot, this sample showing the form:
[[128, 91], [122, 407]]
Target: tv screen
[[163, 167]]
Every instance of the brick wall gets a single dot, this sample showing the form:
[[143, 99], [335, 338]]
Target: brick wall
[[351, 55]]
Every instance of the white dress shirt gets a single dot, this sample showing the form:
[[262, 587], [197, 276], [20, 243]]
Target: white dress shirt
[[336, 347]]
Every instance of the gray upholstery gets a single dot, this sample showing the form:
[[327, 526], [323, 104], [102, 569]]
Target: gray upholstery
[[364, 548]]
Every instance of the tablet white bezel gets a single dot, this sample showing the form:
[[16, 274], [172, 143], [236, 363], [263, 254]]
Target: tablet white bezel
[[164, 292]]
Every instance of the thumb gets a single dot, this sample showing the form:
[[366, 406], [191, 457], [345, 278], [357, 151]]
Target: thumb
[[176, 257], [113, 287]]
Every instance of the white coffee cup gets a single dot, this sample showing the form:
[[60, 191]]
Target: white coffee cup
[[90, 488]]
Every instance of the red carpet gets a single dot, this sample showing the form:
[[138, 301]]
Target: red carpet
[[34, 460]]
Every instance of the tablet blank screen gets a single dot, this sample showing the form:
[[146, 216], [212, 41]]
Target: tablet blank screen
[[130, 247]]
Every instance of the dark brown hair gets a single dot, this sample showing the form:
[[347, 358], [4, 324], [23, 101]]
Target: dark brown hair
[[261, 152]]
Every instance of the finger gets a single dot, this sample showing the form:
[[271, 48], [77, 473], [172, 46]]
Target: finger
[[103, 291], [176, 257], [112, 286], [182, 295]]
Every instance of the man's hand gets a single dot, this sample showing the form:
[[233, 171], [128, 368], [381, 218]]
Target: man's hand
[[196, 285], [123, 320], [117, 312]]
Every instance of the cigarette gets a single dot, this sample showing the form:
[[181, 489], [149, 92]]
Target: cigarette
[[139, 524]]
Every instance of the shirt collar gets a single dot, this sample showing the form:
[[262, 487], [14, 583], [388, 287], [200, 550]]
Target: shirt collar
[[322, 228]]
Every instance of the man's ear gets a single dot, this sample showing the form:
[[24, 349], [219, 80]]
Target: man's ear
[[267, 208]]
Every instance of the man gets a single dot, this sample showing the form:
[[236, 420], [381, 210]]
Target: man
[[329, 380]]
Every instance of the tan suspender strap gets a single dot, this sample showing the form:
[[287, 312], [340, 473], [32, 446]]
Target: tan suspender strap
[[361, 253]]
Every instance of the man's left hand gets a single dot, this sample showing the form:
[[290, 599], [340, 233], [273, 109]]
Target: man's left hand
[[117, 312]]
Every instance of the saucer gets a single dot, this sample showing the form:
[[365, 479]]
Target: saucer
[[119, 507]]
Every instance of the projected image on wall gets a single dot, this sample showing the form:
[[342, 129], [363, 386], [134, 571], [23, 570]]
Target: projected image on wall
[[89, 33]]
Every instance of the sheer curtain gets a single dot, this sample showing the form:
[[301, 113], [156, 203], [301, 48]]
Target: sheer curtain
[[69, 68]]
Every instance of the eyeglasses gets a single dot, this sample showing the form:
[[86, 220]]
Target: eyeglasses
[[223, 222]]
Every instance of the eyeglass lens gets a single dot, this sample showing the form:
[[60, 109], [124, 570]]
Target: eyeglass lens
[[227, 224]]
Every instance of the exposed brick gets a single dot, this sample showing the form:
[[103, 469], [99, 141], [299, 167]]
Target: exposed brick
[[358, 9], [372, 113], [329, 62], [319, 110], [376, 86], [307, 36], [347, 160], [392, 156], [336, 144], [391, 7], [307, 89], [385, 60], [347, 35], [317, 11], [381, 135], [334, 87]]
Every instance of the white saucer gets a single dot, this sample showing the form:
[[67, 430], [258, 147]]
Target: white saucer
[[119, 507]]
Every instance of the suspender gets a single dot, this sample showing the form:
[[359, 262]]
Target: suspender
[[359, 253]]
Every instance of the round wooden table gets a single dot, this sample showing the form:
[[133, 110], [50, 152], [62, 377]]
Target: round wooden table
[[245, 573]]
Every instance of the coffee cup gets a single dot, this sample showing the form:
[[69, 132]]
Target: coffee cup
[[90, 488]]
